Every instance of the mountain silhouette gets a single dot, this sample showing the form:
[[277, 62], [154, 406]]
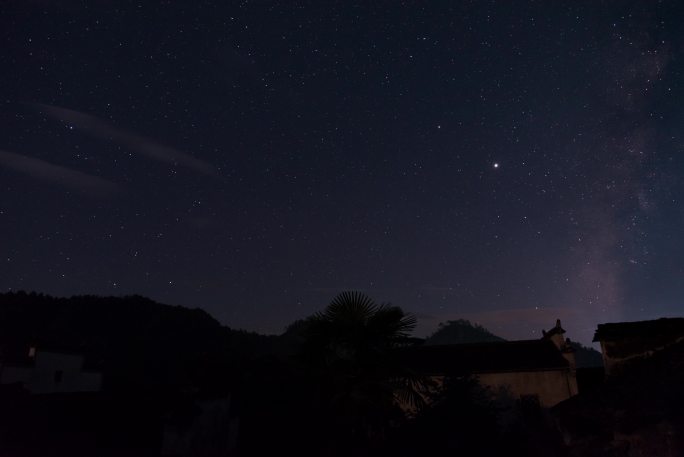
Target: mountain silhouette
[[135, 342], [462, 331]]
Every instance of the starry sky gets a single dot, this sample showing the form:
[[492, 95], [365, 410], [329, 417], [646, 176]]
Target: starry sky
[[505, 162]]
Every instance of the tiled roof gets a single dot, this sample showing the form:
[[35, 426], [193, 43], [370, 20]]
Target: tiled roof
[[455, 359], [555, 330], [659, 327], [18, 355]]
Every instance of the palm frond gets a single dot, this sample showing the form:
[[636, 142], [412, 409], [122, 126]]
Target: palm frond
[[392, 322], [350, 306]]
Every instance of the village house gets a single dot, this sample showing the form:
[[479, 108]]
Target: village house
[[42, 372], [624, 342], [636, 411], [541, 371]]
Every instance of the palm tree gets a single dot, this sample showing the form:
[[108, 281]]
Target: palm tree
[[351, 346]]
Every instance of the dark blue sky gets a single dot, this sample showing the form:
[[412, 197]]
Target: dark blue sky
[[506, 162]]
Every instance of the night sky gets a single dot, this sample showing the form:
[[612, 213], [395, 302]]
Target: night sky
[[506, 162]]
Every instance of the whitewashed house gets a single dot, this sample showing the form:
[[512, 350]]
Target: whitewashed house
[[44, 372]]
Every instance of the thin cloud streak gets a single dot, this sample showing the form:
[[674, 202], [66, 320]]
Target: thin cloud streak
[[98, 128], [64, 176]]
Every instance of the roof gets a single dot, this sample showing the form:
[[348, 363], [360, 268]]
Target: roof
[[555, 330], [18, 355], [659, 327], [496, 357]]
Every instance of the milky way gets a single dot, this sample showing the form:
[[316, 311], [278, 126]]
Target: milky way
[[507, 163]]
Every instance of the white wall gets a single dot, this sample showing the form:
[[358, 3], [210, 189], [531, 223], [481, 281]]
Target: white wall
[[551, 387], [11, 375], [73, 379]]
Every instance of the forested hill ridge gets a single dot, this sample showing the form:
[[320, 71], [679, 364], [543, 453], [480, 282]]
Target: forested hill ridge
[[462, 331], [140, 344], [137, 342]]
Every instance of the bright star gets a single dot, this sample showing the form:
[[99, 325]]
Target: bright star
[[496, 164]]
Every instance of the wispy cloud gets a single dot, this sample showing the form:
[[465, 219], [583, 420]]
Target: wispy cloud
[[99, 128], [57, 174]]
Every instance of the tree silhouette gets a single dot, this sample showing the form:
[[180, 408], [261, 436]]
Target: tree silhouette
[[351, 348]]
